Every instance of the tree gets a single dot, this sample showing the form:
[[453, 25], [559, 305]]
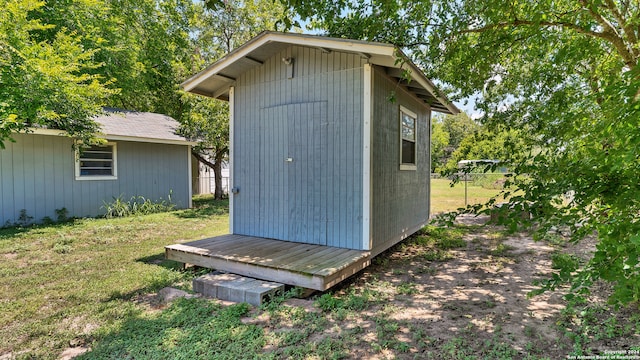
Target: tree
[[216, 32], [508, 147], [456, 127], [563, 72], [439, 145], [207, 120], [46, 81], [65, 60]]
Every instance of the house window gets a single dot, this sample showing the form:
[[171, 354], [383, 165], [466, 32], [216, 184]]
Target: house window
[[408, 135], [97, 163]]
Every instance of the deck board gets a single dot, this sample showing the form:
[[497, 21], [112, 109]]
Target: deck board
[[307, 265]]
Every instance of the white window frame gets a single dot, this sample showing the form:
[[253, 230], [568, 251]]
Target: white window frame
[[114, 176], [405, 111]]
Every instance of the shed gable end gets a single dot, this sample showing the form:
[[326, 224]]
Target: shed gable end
[[318, 191]]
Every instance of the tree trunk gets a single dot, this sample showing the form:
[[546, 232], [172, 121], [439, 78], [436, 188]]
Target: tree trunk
[[217, 173]]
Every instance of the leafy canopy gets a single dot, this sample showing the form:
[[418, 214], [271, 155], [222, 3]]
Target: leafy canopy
[[45, 80], [563, 73]]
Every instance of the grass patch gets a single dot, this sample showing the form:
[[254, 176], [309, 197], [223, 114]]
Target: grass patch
[[84, 283], [188, 329], [589, 326], [436, 242], [446, 198], [61, 282]]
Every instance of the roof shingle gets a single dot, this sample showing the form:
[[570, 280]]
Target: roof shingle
[[153, 126]]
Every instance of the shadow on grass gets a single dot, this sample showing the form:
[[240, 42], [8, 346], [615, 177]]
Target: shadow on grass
[[156, 284], [160, 260], [9, 232], [187, 329], [205, 206]]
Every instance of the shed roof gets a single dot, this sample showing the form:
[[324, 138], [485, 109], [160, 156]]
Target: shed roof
[[215, 80], [118, 124]]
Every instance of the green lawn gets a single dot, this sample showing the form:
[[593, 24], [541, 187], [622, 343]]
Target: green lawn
[[446, 198], [89, 283], [65, 282], [68, 283]]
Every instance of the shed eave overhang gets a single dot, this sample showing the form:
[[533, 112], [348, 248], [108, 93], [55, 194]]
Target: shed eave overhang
[[216, 79], [113, 137]]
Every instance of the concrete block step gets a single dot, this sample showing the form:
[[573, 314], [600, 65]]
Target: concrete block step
[[236, 288]]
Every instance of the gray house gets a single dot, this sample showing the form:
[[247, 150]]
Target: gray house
[[143, 156], [330, 142]]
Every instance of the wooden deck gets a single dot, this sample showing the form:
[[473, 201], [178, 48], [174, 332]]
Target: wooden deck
[[309, 266]]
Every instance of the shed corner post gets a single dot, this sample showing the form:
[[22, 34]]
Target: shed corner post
[[231, 154], [430, 132], [367, 112], [190, 180]]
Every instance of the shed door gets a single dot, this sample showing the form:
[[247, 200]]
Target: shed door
[[292, 205], [307, 180]]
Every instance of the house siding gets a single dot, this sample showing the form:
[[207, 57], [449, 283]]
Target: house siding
[[314, 118], [400, 198], [37, 174]]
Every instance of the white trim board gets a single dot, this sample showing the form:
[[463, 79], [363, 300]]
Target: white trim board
[[366, 158], [231, 155], [190, 181], [55, 132]]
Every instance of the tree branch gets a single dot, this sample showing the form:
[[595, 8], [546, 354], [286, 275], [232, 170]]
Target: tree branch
[[626, 27], [612, 38], [202, 159]]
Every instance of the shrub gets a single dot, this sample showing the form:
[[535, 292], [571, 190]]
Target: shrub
[[137, 205]]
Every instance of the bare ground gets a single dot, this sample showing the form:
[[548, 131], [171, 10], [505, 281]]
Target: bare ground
[[472, 304]]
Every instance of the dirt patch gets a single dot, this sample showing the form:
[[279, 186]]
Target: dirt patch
[[71, 353], [472, 302], [481, 291]]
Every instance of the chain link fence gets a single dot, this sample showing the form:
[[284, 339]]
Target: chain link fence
[[471, 189]]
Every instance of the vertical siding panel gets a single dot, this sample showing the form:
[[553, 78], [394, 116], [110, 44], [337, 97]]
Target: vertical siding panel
[[45, 187], [400, 197], [58, 171], [238, 151], [251, 144], [324, 176], [347, 194], [241, 148], [317, 171], [263, 127], [330, 166], [36, 200], [7, 180], [324, 154], [19, 175], [282, 175], [255, 142], [334, 114], [68, 176]]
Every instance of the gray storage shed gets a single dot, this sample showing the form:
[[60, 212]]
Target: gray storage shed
[[329, 157], [40, 172], [330, 139]]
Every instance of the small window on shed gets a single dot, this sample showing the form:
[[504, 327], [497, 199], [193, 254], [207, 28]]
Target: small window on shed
[[97, 163], [408, 137]]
